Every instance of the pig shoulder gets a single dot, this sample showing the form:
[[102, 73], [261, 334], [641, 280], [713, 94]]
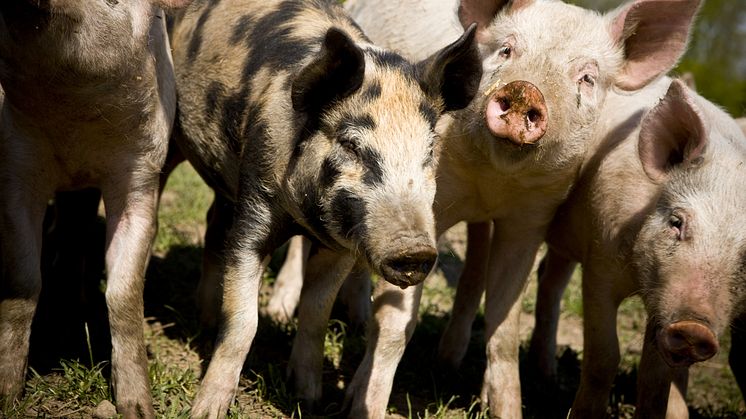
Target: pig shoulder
[[234, 67]]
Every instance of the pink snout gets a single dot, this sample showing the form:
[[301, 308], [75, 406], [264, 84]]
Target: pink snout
[[517, 112], [686, 342]]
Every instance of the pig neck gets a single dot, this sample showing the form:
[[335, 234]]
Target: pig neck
[[474, 186], [605, 210]]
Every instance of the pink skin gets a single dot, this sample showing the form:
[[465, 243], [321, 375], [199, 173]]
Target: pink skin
[[517, 112]]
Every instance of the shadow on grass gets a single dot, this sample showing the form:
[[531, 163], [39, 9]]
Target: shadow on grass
[[420, 385]]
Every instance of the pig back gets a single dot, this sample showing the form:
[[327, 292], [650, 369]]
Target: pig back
[[415, 28], [235, 62]]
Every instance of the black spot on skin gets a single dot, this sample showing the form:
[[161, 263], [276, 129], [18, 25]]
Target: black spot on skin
[[429, 113], [232, 119], [364, 121], [329, 173], [313, 213], [371, 161], [269, 41], [241, 28], [196, 42], [393, 61], [213, 98], [372, 92], [349, 213]]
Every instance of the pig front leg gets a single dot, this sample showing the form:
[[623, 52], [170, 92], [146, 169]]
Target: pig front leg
[[355, 295], [130, 229], [455, 339], [210, 288], [661, 390], [327, 270], [600, 343], [554, 274], [244, 266], [21, 217], [392, 325], [512, 255], [287, 289]]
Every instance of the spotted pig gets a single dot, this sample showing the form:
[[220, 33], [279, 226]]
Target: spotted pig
[[301, 125]]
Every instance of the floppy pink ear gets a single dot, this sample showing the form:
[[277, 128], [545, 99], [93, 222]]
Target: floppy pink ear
[[672, 134], [484, 11], [654, 34]]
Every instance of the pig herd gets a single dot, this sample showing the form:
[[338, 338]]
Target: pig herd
[[364, 132]]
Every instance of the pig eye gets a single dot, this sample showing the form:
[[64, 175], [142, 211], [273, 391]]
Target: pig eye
[[505, 51], [349, 145], [588, 79], [676, 222]]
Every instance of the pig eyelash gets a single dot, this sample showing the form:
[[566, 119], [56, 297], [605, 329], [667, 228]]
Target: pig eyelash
[[588, 79], [505, 51], [676, 222], [349, 145]]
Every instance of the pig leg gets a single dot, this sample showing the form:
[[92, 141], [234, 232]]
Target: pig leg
[[511, 258], [287, 289], [737, 355], [661, 390], [455, 339], [244, 266], [210, 288], [130, 229], [355, 295], [327, 270], [393, 323], [21, 219], [554, 275], [600, 345]]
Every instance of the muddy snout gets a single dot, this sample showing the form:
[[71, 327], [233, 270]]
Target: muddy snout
[[685, 342], [410, 265], [518, 113]]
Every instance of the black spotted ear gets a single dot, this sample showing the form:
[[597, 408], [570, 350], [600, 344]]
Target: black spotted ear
[[454, 72], [336, 73], [672, 134]]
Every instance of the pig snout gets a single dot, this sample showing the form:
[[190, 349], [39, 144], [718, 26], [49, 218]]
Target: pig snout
[[410, 266], [518, 113], [685, 342]]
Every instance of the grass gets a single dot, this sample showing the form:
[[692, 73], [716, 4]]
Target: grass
[[72, 383]]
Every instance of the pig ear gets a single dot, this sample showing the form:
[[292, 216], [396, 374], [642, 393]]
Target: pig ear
[[672, 134], [454, 72], [336, 73], [482, 12], [654, 34]]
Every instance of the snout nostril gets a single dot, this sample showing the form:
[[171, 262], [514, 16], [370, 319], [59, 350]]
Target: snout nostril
[[533, 116], [412, 264], [504, 104]]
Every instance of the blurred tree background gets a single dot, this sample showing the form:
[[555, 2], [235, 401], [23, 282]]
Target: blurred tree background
[[717, 51]]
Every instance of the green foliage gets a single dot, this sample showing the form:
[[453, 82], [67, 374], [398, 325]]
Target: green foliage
[[716, 55]]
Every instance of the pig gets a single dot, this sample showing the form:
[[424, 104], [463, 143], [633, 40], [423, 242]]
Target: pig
[[88, 101], [654, 212], [509, 160], [741, 123], [301, 125]]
